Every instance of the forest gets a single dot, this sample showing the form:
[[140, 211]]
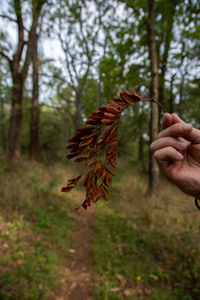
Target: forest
[[60, 60]]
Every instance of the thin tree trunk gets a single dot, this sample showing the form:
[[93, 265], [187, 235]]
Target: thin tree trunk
[[34, 140], [16, 117], [153, 167], [167, 43], [3, 133], [78, 114], [171, 99], [140, 147]]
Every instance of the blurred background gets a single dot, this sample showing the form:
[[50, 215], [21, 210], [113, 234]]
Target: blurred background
[[60, 61]]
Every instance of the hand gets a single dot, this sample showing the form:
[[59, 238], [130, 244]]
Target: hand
[[177, 152]]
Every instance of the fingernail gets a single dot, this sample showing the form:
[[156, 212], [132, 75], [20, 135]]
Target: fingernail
[[186, 126]]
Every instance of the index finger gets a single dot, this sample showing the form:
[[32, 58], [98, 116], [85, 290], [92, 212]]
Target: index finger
[[180, 130], [167, 120]]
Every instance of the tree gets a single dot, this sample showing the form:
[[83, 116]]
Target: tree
[[19, 70], [153, 167], [78, 28]]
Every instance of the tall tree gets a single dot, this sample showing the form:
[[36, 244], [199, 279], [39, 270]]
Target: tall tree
[[33, 150], [19, 71], [153, 167], [78, 30]]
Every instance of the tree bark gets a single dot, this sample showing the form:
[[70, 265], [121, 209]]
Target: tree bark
[[171, 99], [153, 186], [3, 133], [34, 140], [16, 116], [78, 114], [140, 147], [167, 43]]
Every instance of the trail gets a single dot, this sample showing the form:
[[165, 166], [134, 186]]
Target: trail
[[77, 281]]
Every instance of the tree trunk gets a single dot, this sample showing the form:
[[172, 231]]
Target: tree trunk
[[167, 43], [16, 117], [153, 167], [3, 133], [140, 147], [34, 140], [77, 117], [171, 99], [19, 73]]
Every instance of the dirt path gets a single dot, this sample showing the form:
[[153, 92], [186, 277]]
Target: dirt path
[[77, 279]]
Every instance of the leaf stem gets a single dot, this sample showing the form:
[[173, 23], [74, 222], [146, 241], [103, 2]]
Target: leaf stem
[[155, 101]]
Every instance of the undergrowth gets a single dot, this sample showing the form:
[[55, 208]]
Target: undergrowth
[[146, 248], [35, 225]]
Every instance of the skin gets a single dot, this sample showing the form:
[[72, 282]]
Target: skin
[[177, 152]]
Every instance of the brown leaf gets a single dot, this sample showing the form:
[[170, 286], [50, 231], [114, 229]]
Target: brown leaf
[[111, 108], [85, 180], [91, 163], [97, 166], [69, 156], [93, 122], [80, 159], [89, 181], [118, 101], [72, 146], [66, 189], [92, 154], [87, 136], [87, 142], [76, 138], [129, 98], [111, 172], [107, 121], [85, 128], [109, 115], [104, 173], [103, 109]]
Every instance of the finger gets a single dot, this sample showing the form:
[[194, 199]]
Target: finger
[[165, 155], [176, 119], [178, 130], [184, 130], [167, 120], [184, 141], [163, 142]]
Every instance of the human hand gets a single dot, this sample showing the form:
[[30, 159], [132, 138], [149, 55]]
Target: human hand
[[177, 152]]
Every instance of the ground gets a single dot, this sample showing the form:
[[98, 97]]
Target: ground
[[77, 283]]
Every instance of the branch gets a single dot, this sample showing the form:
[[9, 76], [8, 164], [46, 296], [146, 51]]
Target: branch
[[9, 18], [65, 49], [8, 59]]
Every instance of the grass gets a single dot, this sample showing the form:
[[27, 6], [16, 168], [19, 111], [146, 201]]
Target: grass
[[35, 226], [146, 248]]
